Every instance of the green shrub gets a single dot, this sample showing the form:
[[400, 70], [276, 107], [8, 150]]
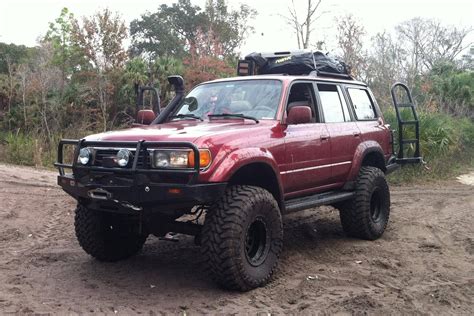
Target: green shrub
[[23, 149], [446, 145]]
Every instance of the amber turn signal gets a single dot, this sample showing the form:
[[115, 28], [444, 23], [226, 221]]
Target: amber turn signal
[[204, 158]]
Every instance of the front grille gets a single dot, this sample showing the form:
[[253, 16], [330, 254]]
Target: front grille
[[103, 157]]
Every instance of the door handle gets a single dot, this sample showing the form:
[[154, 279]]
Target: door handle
[[356, 134], [324, 137]]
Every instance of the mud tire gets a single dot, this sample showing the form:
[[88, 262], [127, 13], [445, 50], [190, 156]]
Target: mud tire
[[96, 235], [242, 238], [366, 215]]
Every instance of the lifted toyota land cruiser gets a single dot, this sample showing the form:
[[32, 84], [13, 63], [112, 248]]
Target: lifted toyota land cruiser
[[243, 151]]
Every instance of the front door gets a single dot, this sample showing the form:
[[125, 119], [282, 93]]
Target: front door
[[307, 147]]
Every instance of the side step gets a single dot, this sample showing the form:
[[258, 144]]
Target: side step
[[299, 204]]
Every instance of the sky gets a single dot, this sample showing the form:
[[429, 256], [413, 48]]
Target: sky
[[24, 21]]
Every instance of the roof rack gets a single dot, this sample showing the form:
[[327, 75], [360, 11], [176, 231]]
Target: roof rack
[[300, 62], [334, 75]]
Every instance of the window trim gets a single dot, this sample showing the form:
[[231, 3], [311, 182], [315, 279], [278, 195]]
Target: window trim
[[315, 97], [376, 113]]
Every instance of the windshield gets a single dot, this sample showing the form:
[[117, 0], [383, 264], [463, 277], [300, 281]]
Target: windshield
[[252, 98]]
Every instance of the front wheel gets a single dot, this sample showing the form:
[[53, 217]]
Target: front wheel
[[242, 238], [366, 215], [106, 236]]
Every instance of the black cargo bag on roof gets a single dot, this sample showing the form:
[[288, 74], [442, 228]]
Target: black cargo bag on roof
[[301, 64]]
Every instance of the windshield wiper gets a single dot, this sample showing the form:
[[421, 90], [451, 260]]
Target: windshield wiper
[[234, 115], [185, 116]]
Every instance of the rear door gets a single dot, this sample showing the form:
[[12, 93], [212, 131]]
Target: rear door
[[368, 117], [344, 133]]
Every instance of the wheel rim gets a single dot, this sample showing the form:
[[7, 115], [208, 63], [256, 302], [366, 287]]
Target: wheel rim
[[256, 244], [376, 206]]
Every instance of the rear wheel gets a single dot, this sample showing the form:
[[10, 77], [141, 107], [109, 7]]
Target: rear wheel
[[106, 236], [242, 238], [366, 216]]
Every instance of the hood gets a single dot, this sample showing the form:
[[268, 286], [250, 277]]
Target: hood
[[183, 131]]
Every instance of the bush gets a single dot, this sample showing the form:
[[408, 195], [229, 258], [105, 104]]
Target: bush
[[23, 149], [446, 145]]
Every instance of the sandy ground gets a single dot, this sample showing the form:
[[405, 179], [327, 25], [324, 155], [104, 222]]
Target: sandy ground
[[424, 264]]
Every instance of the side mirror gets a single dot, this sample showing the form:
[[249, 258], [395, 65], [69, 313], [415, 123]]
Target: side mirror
[[145, 117], [299, 114]]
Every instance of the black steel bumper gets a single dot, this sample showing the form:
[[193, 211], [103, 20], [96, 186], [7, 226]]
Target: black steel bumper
[[152, 194], [134, 187]]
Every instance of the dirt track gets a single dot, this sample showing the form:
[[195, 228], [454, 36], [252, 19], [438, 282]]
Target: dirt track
[[423, 264]]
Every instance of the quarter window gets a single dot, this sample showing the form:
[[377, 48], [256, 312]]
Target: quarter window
[[363, 106]]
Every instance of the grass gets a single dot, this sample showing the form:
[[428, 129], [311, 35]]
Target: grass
[[27, 150]]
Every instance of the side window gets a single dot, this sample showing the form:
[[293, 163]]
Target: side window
[[345, 109], [302, 94], [333, 103], [363, 107]]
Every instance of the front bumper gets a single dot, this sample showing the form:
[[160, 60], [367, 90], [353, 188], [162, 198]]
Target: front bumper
[[149, 195], [136, 187]]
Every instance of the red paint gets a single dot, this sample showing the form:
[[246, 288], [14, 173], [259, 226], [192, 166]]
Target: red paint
[[305, 158]]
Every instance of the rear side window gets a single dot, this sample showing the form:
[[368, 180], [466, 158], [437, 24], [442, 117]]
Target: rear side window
[[332, 104], [363, 106]]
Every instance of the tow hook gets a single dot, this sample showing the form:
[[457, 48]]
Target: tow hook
[[128, 205], [99, 194]]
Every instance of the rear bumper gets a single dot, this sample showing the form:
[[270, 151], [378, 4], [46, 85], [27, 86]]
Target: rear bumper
[[151, 195], [391, 165], [391, 168]]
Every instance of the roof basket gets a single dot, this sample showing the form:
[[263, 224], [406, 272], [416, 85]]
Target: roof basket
[[293, 63]]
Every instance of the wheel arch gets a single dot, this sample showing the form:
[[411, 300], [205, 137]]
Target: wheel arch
[[368, 153], [259, 174]]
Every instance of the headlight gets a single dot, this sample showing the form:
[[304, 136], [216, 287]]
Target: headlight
[[161, 159], [123, 157], [180, 158], [85, 155]]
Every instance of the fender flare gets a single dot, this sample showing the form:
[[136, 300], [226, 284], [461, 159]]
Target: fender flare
[[237, 159], [361, 152]]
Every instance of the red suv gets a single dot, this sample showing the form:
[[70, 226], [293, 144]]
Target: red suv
[[242, 152]]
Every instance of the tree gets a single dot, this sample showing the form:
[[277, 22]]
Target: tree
[[44, 87], [11, 56], [467, 61], [304, 27], [453, 89], [65, 51], [429, 42], [350, 41], [182, 28], [14, 54], [204, 68], [153, 35], [163, 67], [384, 65], [224, 30], [100, 38]]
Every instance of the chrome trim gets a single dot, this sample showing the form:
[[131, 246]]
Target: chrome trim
[[317, 167]]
